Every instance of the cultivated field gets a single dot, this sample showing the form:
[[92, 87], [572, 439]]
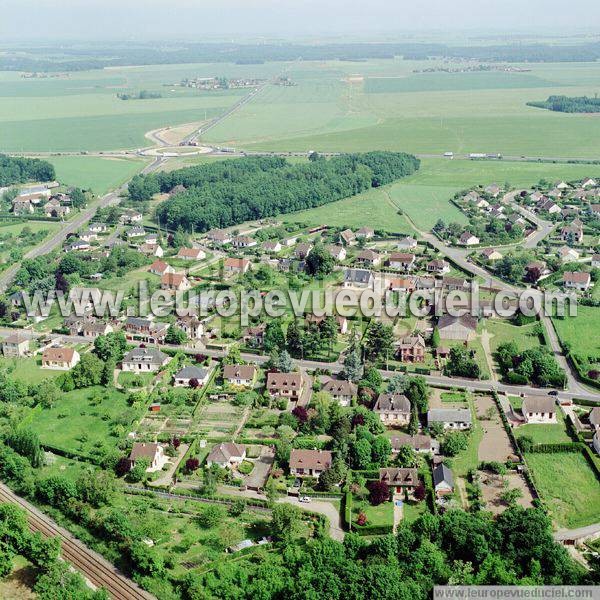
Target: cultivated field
[[396, 109]]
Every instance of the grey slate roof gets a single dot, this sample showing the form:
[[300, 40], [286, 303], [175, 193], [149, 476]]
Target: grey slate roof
[[442, 474], [191, 372], [449, 415], [151, 356]]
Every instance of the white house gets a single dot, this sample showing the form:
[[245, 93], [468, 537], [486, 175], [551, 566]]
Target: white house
[[154, 453], [187, 374], [241, 375], [539, 409], [309, 463], [144, 360], [577, 280], [468, 239], [450, 418], [226, 455]]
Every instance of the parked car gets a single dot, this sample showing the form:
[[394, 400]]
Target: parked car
[[305, 499]]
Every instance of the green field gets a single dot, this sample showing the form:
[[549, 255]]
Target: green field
[[502, 332], [424, 197], [576, 331], [545, 434], [84, 419], [569, 487], [81, 111], [396, 109], [95, 173], [27, 370]]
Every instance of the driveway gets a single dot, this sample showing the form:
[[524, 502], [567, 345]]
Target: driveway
[[322, 507], [262, 468]]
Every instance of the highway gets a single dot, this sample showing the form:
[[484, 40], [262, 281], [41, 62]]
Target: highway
[[98, 571]]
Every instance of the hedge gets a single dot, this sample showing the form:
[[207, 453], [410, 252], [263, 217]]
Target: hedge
[[575, 364], [372, 529], [70, 454], [556, 448]]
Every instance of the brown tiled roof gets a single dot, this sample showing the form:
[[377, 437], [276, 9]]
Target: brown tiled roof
[[239, 371], [399, 476], [58, 354], [143, 450], [535, 404], [310, 459], [576, 277], [284, 380]]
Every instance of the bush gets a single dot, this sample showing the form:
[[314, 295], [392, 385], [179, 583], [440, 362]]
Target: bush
[[246, 467]]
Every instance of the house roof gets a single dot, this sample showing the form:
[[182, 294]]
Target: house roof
[[221, 453], [595, 416], [397, 403], [236, 263], [159, 266], [442, 474], [173, 279], [239, 371], [537, 404], [576, 277], [340, 387], [404, 257], [191, 372], [466, 236], [358, 275], [310, 459], [449, 415], [284, 380], [417, 442], [466, 321], [367, 255], [58, 354], [399, 476], [189, 252], [151, 356], [411, 342], [15, 338], [143, 450]]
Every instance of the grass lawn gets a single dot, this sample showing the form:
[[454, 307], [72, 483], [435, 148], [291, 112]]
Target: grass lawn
[[372, 207], [135, 380], [453, 397], [582, 332], [413, 510], [28, 370], [382, 514], [95, 173], [545, 434], [469, 459], [503, 331], [569, 487], [84, 419]]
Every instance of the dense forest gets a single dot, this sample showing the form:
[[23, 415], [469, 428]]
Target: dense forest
[[15, 169], [230, 192], [77, 58], [576, 104], [457, 548]]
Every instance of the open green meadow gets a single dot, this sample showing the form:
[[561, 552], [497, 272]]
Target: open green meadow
[[577, 331], [425, 196], [85, 419], [569, 487], [94, 172]]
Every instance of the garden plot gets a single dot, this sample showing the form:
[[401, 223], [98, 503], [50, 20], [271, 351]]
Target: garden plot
[[492, 487], [218, 419]]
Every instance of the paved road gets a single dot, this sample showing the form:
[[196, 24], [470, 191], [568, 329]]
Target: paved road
[[98, 571]]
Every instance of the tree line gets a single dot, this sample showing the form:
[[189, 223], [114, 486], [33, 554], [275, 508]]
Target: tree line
[[16, 169], [567, 104], [230, 192]]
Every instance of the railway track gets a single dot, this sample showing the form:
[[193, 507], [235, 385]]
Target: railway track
[[98, 571]]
